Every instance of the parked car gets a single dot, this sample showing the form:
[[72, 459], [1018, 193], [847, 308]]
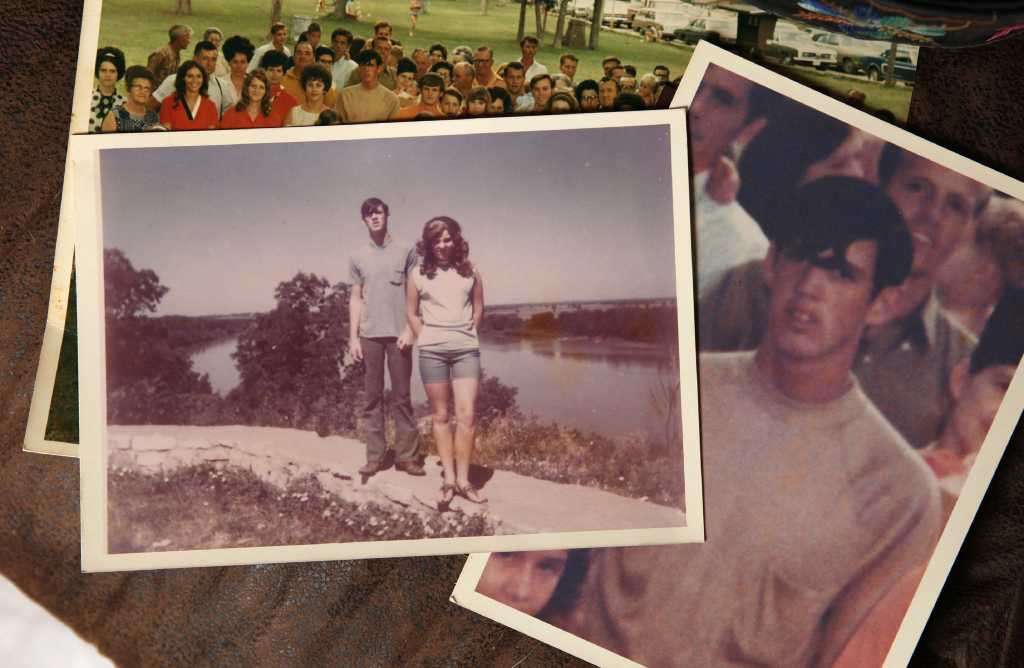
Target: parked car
[[790, 45], [877, 67], [713, 29], [665, 16], [851, 51]]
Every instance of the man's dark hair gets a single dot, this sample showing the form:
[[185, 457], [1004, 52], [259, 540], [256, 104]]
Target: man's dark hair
[[431, 79], [443, 65], [630, 70], [662, 67], [515, 65], [347, 34], [316, 71], [406, 65], [203, 45], [380, 24], [614, 81], [237, 44], [356, 47], [1002, 340], [441, 48], [314, 27], [628, 101], [372, 204], [567, 56], [531, 39], [370, 58], [323, 51], [303, 37], [537, 78], [112, 55], [831, 213], [276, 27], [274, 59], [892, 158]]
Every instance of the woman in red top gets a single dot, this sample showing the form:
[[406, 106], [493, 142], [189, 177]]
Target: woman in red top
[[254, 109], [188, 107]]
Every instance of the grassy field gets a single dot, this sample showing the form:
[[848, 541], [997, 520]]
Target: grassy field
[[140, 26]]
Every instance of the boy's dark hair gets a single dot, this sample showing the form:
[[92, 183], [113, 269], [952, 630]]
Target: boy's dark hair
[[431, 79], [630, 70], [537, 78], [499, 93], [274, 59], [628, 101], [529, 38], [586, 84], [344, 32], [406, 65], [327, 117], [831, 213], [203, 45], [1002, 340], [370, 58], [614, 81], [372, 204], [314, 27], [323, 51]]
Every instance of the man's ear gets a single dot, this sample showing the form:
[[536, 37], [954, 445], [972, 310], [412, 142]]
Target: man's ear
[[883, 307], [768, 265], [958, 377], [749, 131]]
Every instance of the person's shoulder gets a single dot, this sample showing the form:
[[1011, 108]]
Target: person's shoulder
[[886, 477]]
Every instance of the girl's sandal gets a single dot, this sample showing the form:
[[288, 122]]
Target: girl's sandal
[[448, 492], [471, 494]]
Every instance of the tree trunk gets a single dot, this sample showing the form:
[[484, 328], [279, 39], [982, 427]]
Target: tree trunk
[[483, 7], [536, 16], [275, 11], [560, 26], [595, 27], [522, 21]]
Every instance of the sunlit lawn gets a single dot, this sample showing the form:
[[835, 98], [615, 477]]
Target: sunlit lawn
[[139, 27]]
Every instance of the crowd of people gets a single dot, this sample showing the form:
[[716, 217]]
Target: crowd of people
[[861, 316], [231, 83]]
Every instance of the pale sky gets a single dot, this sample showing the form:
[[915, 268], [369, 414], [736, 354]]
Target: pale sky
[[549, 216]]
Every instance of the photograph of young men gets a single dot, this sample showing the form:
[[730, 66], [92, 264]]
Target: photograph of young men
[[380, 337]]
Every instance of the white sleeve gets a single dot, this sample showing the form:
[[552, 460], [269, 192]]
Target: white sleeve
[[256, 57], [165, 88]]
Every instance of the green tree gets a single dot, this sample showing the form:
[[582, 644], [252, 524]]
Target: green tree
[[149, 380], [292, 360]]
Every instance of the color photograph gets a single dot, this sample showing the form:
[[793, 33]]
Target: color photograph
[[385, 342], [860, 321]]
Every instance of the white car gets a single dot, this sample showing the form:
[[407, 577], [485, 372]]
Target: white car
[[791, 45], [850, 50]]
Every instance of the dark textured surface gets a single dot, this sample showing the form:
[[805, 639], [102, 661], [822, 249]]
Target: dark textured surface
[[367, 613]]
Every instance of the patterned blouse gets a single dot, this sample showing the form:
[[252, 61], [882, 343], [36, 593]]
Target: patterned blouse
[[128, 122], [100, 107]]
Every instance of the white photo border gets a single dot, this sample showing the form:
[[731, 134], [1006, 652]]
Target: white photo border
[[91, 351], [985, 464], [53, 336]]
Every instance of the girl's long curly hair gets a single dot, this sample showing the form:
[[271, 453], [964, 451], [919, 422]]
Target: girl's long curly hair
[[265, 104], [432, 231]]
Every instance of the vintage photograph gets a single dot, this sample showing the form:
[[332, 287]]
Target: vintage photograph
[[163, 65], [861, 327], [52, 426], [386, 341]]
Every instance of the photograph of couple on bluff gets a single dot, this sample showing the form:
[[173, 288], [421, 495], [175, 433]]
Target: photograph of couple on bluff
[[391, 338]]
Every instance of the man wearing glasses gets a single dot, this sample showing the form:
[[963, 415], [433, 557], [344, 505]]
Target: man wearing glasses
[[483, 64]]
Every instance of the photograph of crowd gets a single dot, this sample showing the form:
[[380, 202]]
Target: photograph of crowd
[[861, 318], [407, 364], [220, 82]]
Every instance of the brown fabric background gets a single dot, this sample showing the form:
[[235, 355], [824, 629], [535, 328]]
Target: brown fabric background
[[391, 612]]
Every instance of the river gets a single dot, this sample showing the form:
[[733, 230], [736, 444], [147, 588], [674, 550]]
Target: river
[[602, 386]]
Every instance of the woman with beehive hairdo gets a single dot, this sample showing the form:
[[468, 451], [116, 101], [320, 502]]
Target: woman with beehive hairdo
[[109, 70]]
